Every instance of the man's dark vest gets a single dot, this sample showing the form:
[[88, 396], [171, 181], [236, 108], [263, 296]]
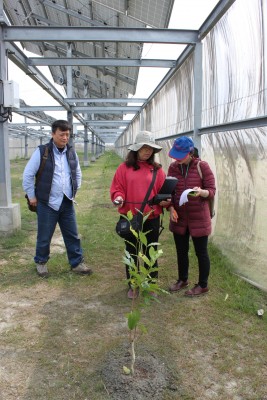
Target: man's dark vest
[[43, 188]]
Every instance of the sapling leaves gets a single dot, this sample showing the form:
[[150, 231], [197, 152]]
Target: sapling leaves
[[133, 319], [145, 259], [141, 262], [129, 215], [134, 232], [143, 238]]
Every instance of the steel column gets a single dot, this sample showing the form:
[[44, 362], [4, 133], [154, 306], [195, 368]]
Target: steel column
[[197, 105]]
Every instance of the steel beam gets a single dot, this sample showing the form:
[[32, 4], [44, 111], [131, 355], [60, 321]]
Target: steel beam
[[109, 123], [109, 130], [38, 108], [230, 126], [99, 34], [236, 125], [105, 100], [112, 111], [93, 62], [108, 109]]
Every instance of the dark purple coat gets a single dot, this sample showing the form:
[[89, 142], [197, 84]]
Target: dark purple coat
[[194, 214]]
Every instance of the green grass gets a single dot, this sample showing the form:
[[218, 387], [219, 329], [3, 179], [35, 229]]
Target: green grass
[[56, 333]]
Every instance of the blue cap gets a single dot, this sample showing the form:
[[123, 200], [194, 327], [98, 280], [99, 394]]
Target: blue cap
[[181, 148]]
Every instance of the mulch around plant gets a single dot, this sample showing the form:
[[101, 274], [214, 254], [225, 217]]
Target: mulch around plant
[[151, 377]]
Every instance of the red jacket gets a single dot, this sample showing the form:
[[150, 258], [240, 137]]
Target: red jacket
[[132, 186], [194, 214]]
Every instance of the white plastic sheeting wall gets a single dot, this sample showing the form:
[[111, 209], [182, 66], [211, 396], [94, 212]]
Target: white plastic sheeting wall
[[234, 88], [234, 65]]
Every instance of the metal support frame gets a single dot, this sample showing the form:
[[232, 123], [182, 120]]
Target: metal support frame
[[197, 105], [70, 121], [5, 180], [26, 140], [86, 162], [99, 34], [93, 149], [264, 62], [92, 62], [10, 219], [228, 126]]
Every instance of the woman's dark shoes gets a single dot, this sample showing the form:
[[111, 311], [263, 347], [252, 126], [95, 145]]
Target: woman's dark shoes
[[178, 286], [196, 291]]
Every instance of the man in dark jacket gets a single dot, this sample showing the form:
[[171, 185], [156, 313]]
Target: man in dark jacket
[[53, 193]]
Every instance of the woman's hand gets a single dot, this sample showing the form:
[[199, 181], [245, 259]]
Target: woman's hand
[[200, 192], [118, 201], [165, 203], [173, 214]]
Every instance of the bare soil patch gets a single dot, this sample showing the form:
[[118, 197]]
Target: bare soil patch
[[151, 378]]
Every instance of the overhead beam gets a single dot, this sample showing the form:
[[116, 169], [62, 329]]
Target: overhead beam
[[109, 123], [92, 62], [110, 111], [107, 109], [83, 109], [103, 130], [99, 34], [105, 100], [38, 108], [235, 125], [249, 123], [27, 124]]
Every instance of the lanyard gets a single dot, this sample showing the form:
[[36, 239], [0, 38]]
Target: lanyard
[[182, 170]]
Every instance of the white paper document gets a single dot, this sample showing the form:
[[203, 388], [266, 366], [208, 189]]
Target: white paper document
[[184, 198]]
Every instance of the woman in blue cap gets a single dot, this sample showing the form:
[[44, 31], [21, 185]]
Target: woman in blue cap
[[192, 218]]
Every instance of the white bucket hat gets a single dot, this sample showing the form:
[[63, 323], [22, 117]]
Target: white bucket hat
[[144, 138]]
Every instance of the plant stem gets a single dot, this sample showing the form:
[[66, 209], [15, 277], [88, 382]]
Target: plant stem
[[133, 356]]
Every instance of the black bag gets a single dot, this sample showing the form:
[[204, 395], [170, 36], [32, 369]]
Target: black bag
[[30, 206], [123, 225]]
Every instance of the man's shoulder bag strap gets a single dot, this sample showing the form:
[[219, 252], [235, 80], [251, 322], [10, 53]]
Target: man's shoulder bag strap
[[40, 170]]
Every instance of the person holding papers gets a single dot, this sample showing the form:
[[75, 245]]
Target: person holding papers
[[190, 213]]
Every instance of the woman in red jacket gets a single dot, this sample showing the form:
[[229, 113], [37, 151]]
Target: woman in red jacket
[[192, 218], [129, 187]]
